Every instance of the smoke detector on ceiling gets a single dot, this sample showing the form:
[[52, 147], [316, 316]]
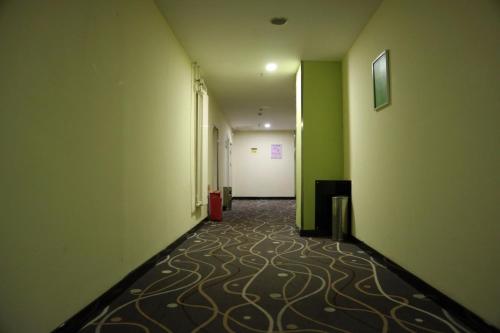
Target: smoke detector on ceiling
[[279, 20]]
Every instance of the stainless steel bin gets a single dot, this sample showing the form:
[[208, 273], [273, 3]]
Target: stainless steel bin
[[340, 227], [227, 197]]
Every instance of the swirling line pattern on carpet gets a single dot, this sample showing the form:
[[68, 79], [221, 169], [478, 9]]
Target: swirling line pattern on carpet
[[253, 273]]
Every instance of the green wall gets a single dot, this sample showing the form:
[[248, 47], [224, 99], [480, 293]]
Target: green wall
[[95, 136], [322, 148], [298, 148], [426, 170]]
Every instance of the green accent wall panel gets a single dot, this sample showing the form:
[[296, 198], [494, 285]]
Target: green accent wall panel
[[322, 147], [298, 149]]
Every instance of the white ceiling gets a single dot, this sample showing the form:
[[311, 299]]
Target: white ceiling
[[233, 40]]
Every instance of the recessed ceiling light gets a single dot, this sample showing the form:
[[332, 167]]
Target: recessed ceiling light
[[267, 125], [271, 67], [279, 20]]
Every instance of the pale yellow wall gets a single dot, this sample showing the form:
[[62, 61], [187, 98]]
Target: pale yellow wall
[[425, 170], [95, 135], [256, 174]]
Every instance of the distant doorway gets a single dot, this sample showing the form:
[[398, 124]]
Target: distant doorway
[[227, 162], [215, 159]]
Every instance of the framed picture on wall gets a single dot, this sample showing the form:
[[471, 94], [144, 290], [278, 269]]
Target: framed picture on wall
[[380, 78]]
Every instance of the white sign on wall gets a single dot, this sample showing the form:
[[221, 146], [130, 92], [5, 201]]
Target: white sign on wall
[[276, 151]]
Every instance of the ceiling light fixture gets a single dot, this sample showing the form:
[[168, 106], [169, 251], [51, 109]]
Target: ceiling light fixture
[[271, 67], [267, 125]]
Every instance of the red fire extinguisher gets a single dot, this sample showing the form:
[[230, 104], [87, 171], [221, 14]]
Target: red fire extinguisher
[[215, 206]]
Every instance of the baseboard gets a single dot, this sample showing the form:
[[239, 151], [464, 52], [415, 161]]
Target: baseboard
[[317, 233], [75, 323], [468, 317], [309, 233], [263, 198]]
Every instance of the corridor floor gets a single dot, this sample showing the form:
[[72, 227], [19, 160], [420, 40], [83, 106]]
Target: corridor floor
[[253, 273]]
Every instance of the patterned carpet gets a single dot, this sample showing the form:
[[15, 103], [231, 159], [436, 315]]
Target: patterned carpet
[[253, 273]]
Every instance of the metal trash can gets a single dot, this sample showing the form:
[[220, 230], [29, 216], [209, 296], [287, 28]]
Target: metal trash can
[[227, 197], [340, 227]]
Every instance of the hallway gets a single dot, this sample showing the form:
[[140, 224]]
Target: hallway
[[121, 120], [253, 273]]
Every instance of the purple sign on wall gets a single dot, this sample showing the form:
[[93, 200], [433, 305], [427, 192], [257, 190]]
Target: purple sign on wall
[[276, 152]]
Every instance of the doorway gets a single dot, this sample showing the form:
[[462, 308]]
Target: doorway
[[215, 159], [228, 146]]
